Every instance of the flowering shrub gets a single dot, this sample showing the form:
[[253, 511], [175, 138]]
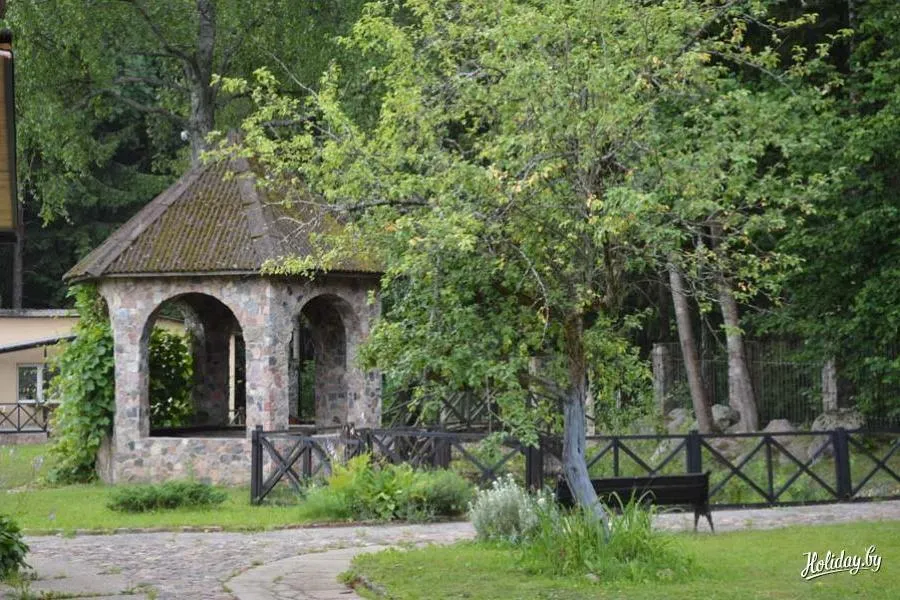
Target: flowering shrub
[[507, 512]]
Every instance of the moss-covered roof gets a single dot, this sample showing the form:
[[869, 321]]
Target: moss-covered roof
[[215, 219]]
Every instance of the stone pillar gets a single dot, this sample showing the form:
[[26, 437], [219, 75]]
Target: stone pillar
[[829, 386], [130, 348], [267, 327], [364, 387], [662, 377]]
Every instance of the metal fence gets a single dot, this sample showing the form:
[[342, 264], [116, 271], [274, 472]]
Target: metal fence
[[752, 469], [785, 386]]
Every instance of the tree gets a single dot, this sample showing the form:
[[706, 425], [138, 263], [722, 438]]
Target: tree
[[529, 161], [105, 90]]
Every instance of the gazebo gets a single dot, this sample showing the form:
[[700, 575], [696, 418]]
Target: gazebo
[[200, 247]]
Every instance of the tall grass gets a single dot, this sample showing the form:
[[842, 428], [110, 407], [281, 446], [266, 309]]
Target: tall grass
[[574, 543]]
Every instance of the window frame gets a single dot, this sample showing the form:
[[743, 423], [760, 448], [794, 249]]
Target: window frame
[[43, 378]]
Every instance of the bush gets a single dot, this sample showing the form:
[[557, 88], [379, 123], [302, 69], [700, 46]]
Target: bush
[[12, 548], [172, 494], [506, 511], [574, 543], [364, 490]]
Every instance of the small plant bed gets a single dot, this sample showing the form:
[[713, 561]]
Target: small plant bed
[[364, 490], [741, 565]]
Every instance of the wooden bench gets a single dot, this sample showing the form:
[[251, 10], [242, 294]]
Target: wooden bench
[[681, 490]]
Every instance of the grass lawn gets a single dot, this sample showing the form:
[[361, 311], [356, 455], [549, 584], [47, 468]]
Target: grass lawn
[[40, 509], [753, 564]]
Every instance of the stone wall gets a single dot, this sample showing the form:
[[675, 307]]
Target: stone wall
[[224, 461]]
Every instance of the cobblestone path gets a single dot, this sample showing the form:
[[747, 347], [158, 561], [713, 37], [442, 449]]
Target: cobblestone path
[[198, 565]]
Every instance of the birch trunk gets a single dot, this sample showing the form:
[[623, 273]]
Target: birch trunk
[[740, 386], [688, 344], [574, 442]]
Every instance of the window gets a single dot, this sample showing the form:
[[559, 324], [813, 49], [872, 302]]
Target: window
[[33, 383]]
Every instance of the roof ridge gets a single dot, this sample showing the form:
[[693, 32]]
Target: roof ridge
[[122, 238], [254, 209]]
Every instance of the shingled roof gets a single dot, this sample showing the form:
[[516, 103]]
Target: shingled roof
[[214, 220]]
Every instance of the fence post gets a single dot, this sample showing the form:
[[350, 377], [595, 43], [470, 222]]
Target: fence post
[[255, 464], [842, 463], [694, 456], [441, 457], [534, 466]]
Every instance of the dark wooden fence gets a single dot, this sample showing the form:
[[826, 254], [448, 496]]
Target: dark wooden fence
[[25, 418], [753, 469]]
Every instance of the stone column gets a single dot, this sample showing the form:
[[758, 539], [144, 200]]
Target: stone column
[[662, 377], [267, 327], [130, 343], [829, 386], [364, 387]]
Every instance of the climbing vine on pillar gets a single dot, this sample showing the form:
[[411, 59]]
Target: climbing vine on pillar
[[85, 385]]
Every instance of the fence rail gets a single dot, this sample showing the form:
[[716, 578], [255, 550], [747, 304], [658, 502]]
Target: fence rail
[[749, 469], [25, 418]]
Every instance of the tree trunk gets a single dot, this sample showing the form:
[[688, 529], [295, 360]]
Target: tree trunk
[[689, 354], [18, 280], [740, 386], [199, 75], [574, 442]]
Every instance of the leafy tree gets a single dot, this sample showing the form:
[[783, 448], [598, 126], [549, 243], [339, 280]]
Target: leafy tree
[[105, 90], [503, 186]]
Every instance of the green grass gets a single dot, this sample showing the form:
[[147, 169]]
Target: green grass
[[84, 507], [41, 509], [754, 565], [21, 464]]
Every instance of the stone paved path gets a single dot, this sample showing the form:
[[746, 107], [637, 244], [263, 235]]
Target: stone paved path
[[201, 565]]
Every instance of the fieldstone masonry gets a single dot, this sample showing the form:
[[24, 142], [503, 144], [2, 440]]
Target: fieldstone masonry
[[265, 311]]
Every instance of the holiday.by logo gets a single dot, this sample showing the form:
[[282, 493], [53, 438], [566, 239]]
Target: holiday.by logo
[[839, 563]]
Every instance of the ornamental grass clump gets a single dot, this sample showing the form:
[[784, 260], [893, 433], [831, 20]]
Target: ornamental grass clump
[[574, 543], [169, 495], [507, 512]]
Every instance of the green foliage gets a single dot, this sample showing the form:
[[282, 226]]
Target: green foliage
[[363, 490], [574, 543], [165, 496], [85, 384], [12, 548], [171, 371]]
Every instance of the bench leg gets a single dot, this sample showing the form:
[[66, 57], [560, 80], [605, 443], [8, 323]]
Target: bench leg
[[706, 513]]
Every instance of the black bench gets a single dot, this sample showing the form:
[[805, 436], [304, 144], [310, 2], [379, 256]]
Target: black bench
[[682, 490]]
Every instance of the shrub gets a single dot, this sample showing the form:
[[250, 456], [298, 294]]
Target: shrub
[[571, 543], [172, 494], [506, 511], [362, 489], [12, 548]]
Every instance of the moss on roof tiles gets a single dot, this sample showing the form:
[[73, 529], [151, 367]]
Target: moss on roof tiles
[[211, 220]]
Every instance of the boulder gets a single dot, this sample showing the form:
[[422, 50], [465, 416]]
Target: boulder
[[678, 419], [779, 426], [795, 444], [724, 416], [848, 418]]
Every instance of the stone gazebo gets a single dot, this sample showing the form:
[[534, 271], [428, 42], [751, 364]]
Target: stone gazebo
[[199, 247]]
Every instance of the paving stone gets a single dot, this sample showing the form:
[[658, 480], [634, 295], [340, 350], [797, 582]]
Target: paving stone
[[198, 566]]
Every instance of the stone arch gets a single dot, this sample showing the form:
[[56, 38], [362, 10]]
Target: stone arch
[[217, 394], [326, 331]]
